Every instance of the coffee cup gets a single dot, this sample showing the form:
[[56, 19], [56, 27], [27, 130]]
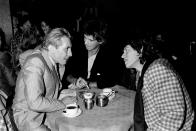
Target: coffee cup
[[71, 109]]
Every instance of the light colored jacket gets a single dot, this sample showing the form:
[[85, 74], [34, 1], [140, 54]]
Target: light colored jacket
[[36, 91]]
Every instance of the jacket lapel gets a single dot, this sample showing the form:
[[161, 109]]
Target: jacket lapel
[[53, 70]]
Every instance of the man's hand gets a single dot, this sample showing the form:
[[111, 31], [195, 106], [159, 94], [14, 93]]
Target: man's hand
[[67, 92], [80, 83], [93, 85], [69, 100]]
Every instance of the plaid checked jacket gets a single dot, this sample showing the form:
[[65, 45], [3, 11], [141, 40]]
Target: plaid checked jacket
[[167, 105]]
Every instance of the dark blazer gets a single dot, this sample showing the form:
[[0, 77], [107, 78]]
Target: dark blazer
[[105, 70]]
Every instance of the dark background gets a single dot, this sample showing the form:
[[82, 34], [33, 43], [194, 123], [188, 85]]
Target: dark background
[[127, 17], [173, 16]]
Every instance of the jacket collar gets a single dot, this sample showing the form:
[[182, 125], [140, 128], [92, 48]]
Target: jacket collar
[[47, 58]]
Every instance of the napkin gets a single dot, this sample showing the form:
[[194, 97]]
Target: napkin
[[67, 92]]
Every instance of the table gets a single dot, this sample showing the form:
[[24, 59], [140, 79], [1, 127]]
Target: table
[[116, 116]]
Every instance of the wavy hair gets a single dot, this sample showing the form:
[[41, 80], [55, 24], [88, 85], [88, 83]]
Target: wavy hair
[[147, 49], [55, 35]]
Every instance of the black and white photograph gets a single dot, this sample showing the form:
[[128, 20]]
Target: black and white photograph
[[97, 65]]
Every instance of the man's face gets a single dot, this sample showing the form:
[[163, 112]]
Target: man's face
[[91, 43], [63, 52], [26, 26], [45, 27], [130, 56]]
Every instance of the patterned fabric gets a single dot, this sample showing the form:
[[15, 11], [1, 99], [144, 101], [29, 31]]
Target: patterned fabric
[[2, 124], [5, 125], [167, 105]]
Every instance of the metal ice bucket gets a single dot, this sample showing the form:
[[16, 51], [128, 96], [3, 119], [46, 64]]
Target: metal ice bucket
[[102, 100]]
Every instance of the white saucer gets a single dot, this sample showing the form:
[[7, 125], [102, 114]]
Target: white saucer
[[73, 115]]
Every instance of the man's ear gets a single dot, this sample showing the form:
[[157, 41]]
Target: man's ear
[[51, 48]]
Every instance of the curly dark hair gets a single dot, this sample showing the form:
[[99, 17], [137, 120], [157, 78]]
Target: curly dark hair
[[148, 49], [97, 28]]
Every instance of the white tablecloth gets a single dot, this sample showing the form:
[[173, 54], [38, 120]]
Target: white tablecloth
[[116, 116]]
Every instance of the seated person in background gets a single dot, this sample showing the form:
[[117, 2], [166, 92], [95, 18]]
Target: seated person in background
[[27, 37], [7, 83], [7, 74], [38, 83], [45, 27], [95, 63], [162, 102]]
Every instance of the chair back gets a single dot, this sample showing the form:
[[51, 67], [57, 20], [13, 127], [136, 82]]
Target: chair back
[[11, 118], [7, 122]]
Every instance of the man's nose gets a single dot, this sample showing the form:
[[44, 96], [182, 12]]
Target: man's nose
[[123, 55], [86, 42], [70, 53]]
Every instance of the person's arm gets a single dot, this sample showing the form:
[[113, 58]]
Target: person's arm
[[35, 88], [163, 99]]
